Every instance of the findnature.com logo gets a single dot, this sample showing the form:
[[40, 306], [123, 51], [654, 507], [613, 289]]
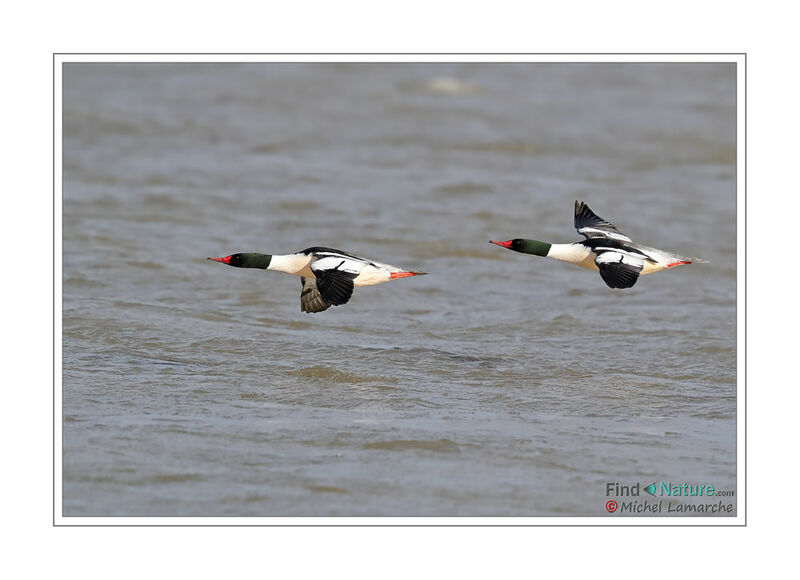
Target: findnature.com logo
[[668, 490]]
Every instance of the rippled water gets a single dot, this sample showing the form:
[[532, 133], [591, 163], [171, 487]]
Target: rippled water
[[501, 384]]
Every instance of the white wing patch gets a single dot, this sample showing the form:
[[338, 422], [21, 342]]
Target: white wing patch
[[342, 263], [590, 232], [614, 255]]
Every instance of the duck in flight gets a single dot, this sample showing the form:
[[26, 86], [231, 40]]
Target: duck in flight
[[327, 276], [619, 260]]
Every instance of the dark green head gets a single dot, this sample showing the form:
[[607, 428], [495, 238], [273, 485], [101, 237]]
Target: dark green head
[[246, 260], [534, 247]]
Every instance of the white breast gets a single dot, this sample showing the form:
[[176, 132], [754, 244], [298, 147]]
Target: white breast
[[297, 264], [577, 254]]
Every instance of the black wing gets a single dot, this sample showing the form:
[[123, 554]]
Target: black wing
[[334, 285], [619, 269], [590, 225], [310, 299], [619, 275]]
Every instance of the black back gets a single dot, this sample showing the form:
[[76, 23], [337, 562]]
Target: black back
[[595, 243], [323, 249]]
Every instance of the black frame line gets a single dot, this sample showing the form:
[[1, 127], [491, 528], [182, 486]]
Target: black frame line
[[739, 69]]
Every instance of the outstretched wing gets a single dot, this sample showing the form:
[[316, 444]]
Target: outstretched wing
[[310, 298], [591, 225], [335, 284], [618, 268]]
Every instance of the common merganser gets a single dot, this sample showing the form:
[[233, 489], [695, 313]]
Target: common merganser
[[327, 275], [619, 260]]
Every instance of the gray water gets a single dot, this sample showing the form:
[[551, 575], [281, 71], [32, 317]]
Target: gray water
[[501, 384]]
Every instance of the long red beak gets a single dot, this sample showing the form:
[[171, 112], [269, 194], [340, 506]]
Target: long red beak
[[504, 244], [405, 274], [225, 260]]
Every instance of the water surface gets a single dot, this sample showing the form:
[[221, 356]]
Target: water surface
[[499, 385]]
